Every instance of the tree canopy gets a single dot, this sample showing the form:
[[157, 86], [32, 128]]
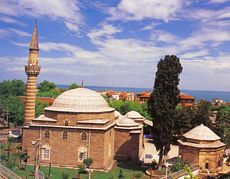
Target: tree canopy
[[162, 103], [46, 86], [73, 86], [12, 88]]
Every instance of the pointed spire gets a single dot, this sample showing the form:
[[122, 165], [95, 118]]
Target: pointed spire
[[34, 40]]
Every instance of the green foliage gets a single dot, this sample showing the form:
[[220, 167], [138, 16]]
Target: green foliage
[[53, 93], [125, 106], [46, 86], [183, 121], [121, 176], [138, 175], [81, 169], [162, 104], [39, 108], [65, 176], [88, 162], [201, 114], [73, 86], [14, 107], [223, 126], [10, 165], [189, 172], [178, 165], [12, 88]]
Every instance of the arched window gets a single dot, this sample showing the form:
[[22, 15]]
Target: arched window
[[84, 136], [47, 134], [66, 122], [82, 154], [65, 135]]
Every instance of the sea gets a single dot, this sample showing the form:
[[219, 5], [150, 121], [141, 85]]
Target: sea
[[198, 94]]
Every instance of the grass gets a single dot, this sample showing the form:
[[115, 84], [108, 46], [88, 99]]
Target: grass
[[128, 170], [56, 173]]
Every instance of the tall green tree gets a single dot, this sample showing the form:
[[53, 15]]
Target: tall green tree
[[162, 103], [12, 88], [46, 86]]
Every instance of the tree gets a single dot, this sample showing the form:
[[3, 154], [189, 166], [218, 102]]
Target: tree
[[183, 121], [201, 114], [14, 107], [73, 86], [39, 108], [88, 162], [12, 88], [162, 104], [46, 86], [223, 126]]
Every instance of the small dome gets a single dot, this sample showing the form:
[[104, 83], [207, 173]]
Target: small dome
[[133, 115], [117, 114], [80, 100], [126, 122], [201, 132]]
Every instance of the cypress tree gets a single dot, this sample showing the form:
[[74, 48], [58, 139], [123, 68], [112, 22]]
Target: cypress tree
[[162, 103]]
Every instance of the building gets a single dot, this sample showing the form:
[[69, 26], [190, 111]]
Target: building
[[79, 125], [203, 147], [124, 96], [186, 100], [143, 97]]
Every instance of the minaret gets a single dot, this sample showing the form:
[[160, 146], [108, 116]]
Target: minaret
[[32, 70]]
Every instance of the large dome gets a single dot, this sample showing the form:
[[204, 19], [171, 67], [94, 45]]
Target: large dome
[[80, 100]]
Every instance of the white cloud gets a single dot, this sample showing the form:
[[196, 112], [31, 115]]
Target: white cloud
[[151, 9], [219, 1], [5, 33], [69, 10]]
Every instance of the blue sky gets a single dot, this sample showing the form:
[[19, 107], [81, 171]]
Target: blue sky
[[118, 43]]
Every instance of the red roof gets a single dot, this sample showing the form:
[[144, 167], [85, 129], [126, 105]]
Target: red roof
[[185, 96]]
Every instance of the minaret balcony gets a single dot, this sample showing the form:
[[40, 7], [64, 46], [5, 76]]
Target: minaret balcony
[[32, 69]]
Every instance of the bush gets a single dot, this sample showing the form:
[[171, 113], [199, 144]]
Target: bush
[[65, 176], [178, 165], [10, 165], [138, 175], [121, 176]]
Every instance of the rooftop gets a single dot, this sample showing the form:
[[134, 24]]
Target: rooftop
[[80, 100]]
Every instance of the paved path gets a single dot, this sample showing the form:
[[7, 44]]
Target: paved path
[[151, 149]]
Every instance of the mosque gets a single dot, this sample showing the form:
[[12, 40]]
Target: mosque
[[78, 125]]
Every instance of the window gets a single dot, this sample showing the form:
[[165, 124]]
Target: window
[[46, 153], [206, 165], [83, 136], [47, 134], [65, 135], [82, 154], [66, 122]]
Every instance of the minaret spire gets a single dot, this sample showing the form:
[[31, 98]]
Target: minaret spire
[[34, 40], [32, 70]]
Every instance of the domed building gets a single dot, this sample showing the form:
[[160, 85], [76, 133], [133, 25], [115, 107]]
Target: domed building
[[80, 124], [201, 146]]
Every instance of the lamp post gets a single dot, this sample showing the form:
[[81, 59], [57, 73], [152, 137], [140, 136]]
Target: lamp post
[[166, 165]]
